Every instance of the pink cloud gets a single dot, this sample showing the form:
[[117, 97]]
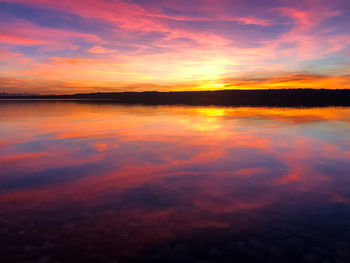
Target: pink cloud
[[253, 21], [21, 32], [101, 50], [306, 19], [18, 40]]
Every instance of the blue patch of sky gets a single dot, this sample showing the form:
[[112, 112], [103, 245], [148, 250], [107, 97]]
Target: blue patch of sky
[[327, 65], [234, 30], [54, 19]]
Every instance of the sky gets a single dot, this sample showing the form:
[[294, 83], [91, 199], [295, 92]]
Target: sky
[[81, 46]]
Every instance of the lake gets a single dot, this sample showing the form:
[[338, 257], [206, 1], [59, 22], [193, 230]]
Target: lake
[[98, 182]]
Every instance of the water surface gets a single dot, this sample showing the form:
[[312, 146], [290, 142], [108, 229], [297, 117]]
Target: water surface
[[88, 182]]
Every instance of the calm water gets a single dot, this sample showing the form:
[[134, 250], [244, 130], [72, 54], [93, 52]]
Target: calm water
[[84, 182]]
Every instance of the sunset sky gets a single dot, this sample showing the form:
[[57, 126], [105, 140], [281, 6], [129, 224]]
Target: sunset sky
[[71, 46]]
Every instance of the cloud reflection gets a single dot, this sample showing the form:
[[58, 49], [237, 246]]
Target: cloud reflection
[[170, 169]]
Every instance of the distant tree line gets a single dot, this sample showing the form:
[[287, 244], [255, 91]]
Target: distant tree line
[[280, 97]]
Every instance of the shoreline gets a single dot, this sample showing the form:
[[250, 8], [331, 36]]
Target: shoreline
[[281, 97]]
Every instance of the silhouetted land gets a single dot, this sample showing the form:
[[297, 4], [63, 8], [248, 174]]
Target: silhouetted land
[[282, 97]]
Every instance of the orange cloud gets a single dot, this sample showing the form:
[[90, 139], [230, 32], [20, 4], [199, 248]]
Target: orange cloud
[[101, 50], [291, 81]]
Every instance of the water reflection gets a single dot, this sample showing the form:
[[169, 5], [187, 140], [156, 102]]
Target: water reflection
[[84, 182]]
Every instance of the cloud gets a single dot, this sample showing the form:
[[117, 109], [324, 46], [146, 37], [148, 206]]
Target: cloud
[[101, 50], [306, 19], [279, 81], [18, 40], [21, 32], [253, 21]]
